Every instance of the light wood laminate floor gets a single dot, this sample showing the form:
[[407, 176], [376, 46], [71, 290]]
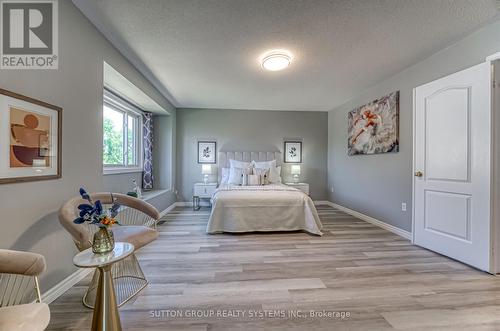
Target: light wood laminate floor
[[274, 281]]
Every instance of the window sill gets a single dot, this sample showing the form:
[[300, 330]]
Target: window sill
[[115, 171]]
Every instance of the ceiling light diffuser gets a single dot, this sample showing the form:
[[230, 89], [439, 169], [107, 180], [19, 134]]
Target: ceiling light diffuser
[[276, 60]]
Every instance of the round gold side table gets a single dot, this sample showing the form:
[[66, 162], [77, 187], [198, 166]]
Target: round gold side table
[[106, 316]]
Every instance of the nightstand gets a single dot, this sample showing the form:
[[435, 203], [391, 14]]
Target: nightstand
[[202, 191], [304, 187]]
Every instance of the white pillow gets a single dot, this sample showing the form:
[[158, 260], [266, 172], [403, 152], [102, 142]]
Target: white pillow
[[224, 176], [275, 175], [236, 174], [264, 164], [239, 164], [253, 180]]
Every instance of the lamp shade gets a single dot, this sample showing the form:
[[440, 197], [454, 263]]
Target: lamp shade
[[295, 169], [206, 169]]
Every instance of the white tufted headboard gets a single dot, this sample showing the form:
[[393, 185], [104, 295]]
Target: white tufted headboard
[[224, 158]]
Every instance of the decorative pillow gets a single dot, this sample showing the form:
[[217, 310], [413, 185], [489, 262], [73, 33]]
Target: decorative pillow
[[239, 164], [253, 180], [274, 172], [260, 171], [264, 164], [236, 175], [224, 176], [263, 174], [275, 175]]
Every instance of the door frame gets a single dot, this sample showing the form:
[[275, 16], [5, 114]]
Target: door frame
[[494, 178], [495, 164]]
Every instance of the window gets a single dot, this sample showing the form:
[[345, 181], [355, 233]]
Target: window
[[122, 124]]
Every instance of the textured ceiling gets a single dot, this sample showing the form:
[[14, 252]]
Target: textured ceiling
[[203, 53]]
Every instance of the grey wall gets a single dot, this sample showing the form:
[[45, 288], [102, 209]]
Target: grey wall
[[163, 141], [251, 130], [29, 210], [120, 182], [377, 184], [164, 152]]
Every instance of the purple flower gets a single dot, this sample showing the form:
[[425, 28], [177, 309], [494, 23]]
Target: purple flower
[[93, 212], [85, 195]]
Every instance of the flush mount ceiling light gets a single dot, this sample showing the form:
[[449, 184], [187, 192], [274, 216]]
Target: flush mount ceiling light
[[276, 60]]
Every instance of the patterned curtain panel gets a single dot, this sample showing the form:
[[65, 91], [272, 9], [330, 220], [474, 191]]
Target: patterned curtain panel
[[147, 129]]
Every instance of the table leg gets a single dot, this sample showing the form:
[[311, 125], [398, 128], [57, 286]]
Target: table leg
[[196, 203], [106, 316]]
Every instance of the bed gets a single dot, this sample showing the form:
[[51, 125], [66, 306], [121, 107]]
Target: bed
[[268, 208]]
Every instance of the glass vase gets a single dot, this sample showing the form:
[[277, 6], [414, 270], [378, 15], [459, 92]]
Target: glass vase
[[104, 241]]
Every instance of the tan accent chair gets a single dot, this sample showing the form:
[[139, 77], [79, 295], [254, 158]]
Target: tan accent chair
[[138, 219], [19, 288]]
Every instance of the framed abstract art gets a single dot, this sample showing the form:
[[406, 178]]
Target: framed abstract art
[[30, 139], [293, 152], [374, 127], [207, 152]]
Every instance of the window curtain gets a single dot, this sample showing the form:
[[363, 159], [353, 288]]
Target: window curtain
[[147, 173]]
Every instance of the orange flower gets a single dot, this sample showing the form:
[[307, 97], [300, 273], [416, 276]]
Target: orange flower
[[108, 221]]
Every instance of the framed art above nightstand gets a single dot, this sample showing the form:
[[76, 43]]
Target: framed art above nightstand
[[293, 152], [304, 187], [207, 152]]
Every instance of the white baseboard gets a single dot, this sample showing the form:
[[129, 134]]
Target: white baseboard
[[169, 208], [64, 285], [322, 202], [400, 232]]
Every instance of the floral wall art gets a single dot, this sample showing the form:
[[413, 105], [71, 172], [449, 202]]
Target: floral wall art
[[207, 152], [293, 152], [374, 127]]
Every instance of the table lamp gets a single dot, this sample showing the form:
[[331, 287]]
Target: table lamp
[[295, 172], [206, 169]]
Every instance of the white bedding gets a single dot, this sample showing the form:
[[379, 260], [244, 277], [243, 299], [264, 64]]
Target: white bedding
[[274, 207]]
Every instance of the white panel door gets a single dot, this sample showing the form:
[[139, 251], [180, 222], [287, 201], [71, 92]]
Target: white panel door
[[452, 166]]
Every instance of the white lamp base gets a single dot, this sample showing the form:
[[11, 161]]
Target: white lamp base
[[205, 179], [295, 179]]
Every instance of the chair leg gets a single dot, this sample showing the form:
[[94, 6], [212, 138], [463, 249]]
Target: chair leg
[[128, 279]]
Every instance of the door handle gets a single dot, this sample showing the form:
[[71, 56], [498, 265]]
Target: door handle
[[418, 174]]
